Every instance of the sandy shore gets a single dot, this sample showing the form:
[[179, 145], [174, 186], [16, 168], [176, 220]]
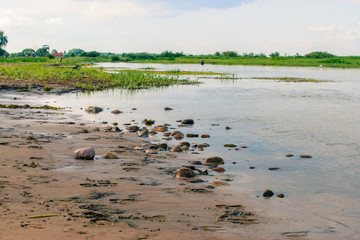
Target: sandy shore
[[132, 197]]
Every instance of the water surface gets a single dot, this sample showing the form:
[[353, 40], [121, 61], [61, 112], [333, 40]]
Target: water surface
[[271, 118]]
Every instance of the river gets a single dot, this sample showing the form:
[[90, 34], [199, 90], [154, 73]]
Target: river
[[272, 119]]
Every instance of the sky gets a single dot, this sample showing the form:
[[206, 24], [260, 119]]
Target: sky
[[189, 26]]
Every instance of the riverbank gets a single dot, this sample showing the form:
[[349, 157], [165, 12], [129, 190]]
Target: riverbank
[[46, 193]]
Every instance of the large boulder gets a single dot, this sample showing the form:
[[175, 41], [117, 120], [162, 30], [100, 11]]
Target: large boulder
[[184, 173], [87, 153], [93, 109]]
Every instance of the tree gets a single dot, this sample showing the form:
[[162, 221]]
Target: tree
[[274, 54], [41, 52], [3, 42], [54, 51], [319, 55], [230, 54], [28, 52], [75, 52]]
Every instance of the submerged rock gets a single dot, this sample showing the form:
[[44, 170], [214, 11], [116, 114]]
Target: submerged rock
[[87, 153], [93, 109], [268, 193], [168, 109], [205, 136]]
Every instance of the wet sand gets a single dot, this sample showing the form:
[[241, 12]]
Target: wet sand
[[132, 197]]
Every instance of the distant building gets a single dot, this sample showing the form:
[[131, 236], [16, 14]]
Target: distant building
[[46, 47], [58, 54]]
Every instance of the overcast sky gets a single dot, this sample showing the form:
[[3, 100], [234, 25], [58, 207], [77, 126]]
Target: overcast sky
[[191, 26]]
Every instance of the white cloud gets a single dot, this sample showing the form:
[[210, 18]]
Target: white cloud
[[55, 21], [9, 18], [321, 28], [111, 9]]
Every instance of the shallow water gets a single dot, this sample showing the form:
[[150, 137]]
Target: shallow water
[[272, 119]]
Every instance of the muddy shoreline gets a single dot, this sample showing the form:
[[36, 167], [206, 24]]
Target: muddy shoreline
[[132, 197]]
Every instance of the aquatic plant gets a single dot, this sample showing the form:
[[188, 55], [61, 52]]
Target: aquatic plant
[[85, 78]]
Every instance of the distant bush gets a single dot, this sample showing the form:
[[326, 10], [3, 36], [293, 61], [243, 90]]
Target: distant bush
[[114, 58], [90, 54], [319, 55], [50, 56], [230, 54]]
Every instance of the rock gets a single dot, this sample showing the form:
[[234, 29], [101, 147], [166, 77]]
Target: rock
[[230, 145], [205, 136], [190, 135], [184, 144], [251, 167], [87, 153], [289, 155], [93, 109], [133, 128], [187, 121], [176, 149], [185, 148], [84, 131], [143, 133], [218, 169], [168, 109], [108, 128], [268, 193], [116, 112], [177, 135], [117, 129], [204, 145], [166, 134], [273, 168], [151, 151], [220, 183], [196, 163], [214, 161], [139, 148], [280, 195], [243, 147], [184, 173], [160, 129], [148, 122], [162, 146], [306, 156], [96, 129], [110, 155]]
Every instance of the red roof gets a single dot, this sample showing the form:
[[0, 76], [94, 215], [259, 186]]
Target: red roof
[[58, 54]]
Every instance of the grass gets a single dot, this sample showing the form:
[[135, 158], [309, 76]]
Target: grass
[[333, 62], [338, 62], [177, 72], [292, 79], [14, 106], [87, 79]]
